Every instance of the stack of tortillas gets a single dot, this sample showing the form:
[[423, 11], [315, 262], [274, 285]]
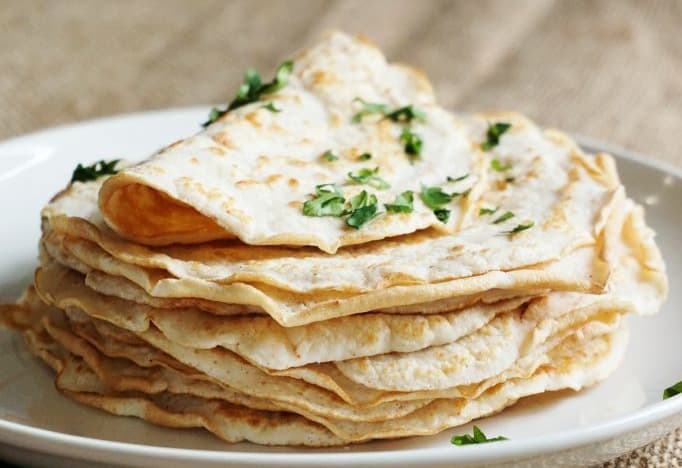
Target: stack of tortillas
[[334, 259]]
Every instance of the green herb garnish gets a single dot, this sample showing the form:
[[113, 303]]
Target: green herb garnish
[[493, 135], [413, 143], [434, 197], [403, 203], [504, 217], [271, 107], [329, 156], [672, 390], [442, 215], [368, 108], [364, 157], [457, 179], [406, 114], [401, 114], [478, 438], [363, 208], [95, 171], [328, 201], [496, 165], [487, 211], [252, 89], [521, 227], [509, 179], [369, 177]]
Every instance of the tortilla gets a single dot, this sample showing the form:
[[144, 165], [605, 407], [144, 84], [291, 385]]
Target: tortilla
[[568, 195], [262, 341]]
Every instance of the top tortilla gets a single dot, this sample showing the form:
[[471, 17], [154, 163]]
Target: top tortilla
[[248, 174]]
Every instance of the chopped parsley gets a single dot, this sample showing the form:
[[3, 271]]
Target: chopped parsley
[[363, 208], [94, 171], [403, 203], [328, 201], [329, 156], [271, 107], [252, 89], [413, 143], [672, 390], [442, 215], [509, 179], [487, 211], [521, 227], [434, 197], [406, 114], [369, 177], [368, 108], [504, 217], [493, 135], [402, 114], [364, 157], [457, 179], [477, 438], [496, 165]]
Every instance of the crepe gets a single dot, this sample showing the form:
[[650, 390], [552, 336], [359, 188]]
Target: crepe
[[568, 195], [579, 360], [248, 174], [230, 422], [260, 339]]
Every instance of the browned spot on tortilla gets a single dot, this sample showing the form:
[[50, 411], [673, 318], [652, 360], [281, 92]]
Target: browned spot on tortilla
[[217, 151], [252, 117], [244, 183], [274, 178]]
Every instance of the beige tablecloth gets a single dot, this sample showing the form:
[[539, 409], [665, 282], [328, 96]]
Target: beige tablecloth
[[607, 69]]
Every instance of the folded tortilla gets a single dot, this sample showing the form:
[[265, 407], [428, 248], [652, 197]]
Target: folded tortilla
[[248, 174]]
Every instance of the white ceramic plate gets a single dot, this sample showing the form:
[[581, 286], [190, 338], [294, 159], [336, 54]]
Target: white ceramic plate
[[41, 428]]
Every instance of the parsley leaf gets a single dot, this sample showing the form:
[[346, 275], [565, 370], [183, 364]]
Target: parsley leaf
[[457, 179], [252, 89], [406, 114], [368, 108], [442, 215], [504, 217], [493, 135], [478, 438], [363, 208], [95, 171], [329, 156], [402, 203], [328, 201], [434, 197], [672, 390], [401, 114], [496, 165], [271, 107], [281, 78], [413, 143], [364, 157], [487, 211], [521, 227], [369, 177]]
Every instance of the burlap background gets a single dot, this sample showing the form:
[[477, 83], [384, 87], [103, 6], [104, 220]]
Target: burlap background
[[608, 69]]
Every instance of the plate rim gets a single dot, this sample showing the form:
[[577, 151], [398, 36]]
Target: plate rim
[[88, 448]]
